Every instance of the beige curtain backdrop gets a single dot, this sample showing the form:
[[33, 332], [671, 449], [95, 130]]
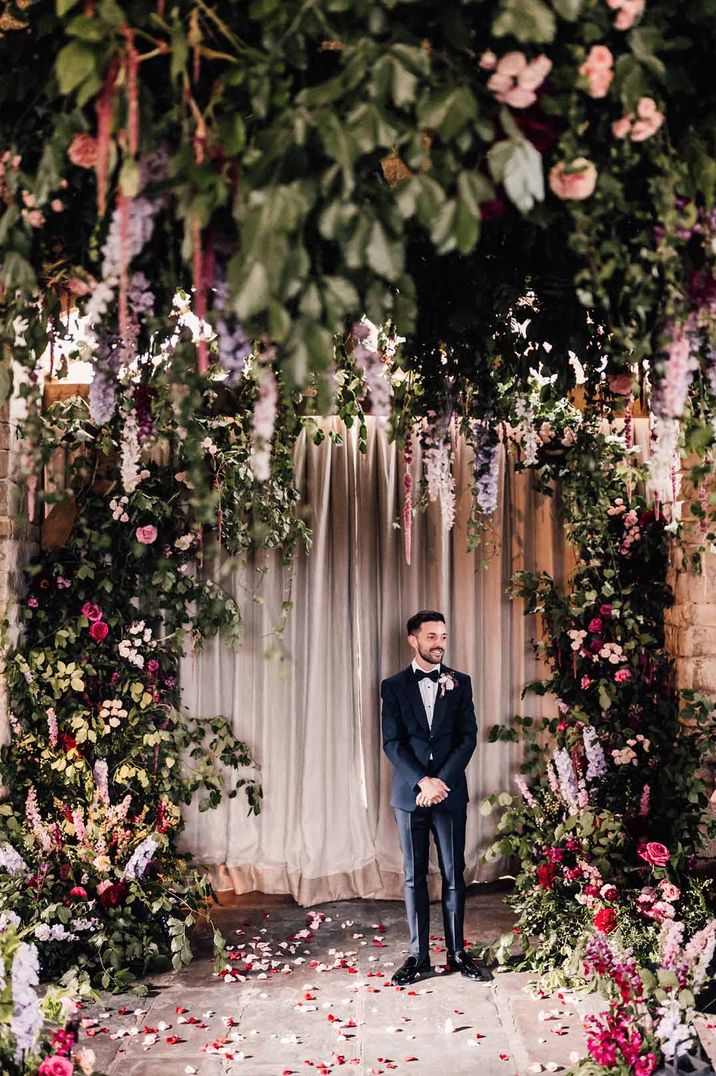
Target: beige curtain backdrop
[[327, 830]]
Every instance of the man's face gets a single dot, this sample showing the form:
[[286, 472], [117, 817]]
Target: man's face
[[429, 641]]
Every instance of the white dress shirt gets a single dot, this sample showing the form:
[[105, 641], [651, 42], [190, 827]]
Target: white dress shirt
[[428, 691]]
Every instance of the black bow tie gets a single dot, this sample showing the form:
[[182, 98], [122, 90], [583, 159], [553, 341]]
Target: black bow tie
[[434, 675]]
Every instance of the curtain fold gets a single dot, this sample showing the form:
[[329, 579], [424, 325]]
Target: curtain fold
[[312, 717]]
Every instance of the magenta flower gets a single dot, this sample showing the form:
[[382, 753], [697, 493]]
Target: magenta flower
[[147, 534], [99, 631], [595, 625], [92, 612]]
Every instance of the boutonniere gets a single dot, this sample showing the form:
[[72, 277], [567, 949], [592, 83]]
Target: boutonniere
[[447, 682]]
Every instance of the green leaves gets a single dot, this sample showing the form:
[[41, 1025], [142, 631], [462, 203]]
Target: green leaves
[[527, 20], [448, 111], [517, 164], [75, 63]]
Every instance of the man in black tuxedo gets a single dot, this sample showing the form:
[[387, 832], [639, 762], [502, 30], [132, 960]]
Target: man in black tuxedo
[[429, 734]]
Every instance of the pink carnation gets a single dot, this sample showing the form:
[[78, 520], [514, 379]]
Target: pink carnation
[[515, 79], [597, 69], [575, 180], [147, 534]]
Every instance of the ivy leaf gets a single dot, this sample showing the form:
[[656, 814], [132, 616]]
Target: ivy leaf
[[517, 164], [526, 20]]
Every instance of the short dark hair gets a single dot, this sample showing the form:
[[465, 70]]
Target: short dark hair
[[423, 617]]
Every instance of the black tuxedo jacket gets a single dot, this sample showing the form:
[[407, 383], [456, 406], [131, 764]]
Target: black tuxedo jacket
[[408, 741]]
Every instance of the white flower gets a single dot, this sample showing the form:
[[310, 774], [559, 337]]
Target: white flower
[[184, 542], [20, 326], [27, 1019], [141, 857], [57, 932], [10, 860]]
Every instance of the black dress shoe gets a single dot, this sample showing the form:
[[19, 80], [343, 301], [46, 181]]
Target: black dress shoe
[[410, 970], [463, 962]]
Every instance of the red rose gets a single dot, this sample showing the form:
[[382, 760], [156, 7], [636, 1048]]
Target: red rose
[[83, 151], [99, 631], [112, 895], [605, 920], [92, 611], [595, 625], [546, 873], [656, 854], [79, 892]]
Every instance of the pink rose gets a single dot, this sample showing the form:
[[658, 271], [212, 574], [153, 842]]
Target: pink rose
[[99, 631], [597, 69], [669, 891], [595, 625], [627, 12], [621, 675], [656, 854], [514, 79], [56, 1066], [648, 120], [91, 611], [584, 683], [147, 534], [575, 180], [83, 151], [79, 892]]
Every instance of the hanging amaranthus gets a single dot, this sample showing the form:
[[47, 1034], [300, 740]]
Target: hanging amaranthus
[[408, 499], [131, 66], [104, 106]]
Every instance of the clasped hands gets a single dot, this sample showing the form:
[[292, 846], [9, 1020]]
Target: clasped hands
[[432, 791]]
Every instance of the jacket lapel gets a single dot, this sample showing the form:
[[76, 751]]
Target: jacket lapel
[[416, 699]]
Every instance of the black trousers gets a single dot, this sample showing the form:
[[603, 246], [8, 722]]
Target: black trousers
[[448, 830]]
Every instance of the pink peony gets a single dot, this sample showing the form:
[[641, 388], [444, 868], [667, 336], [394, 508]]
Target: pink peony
[[597, 69], [656, 854], [56, 1066], [147, 534], [595, 625], [515, 79], [575, 180], [83, 151], [99, 631], [621, 675], [92, 612]]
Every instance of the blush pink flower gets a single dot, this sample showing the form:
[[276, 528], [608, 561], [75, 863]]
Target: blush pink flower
[[585, 683], [669, 891], [147, 534], [515, 79], [574, 180], [621, 676], [628, 11], [648, 120], [597, 70], [643, 125]]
